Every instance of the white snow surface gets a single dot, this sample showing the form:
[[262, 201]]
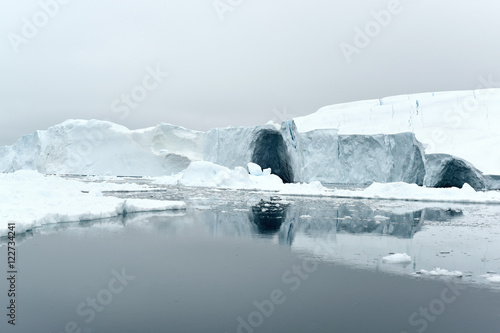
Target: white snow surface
[[397, 258], [460, 123], [30, 199]]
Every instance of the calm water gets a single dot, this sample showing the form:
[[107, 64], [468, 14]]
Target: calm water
[[241, 261]]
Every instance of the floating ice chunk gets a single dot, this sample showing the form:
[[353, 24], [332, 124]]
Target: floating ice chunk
[[397, 258], [495, 278], [147, 205], [255, 169], [440, 272]]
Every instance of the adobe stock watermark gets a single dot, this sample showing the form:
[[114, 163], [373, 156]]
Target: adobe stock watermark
[[31, 26], [281, 115], [363, 36], [222, 7], [88, 309], [454, 117], [130, 101], [422, 318], [92, 138], [292, 279]]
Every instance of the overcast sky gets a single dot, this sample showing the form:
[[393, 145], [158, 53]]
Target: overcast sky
[[236, 63]]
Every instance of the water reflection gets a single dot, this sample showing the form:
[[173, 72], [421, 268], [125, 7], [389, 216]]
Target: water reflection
[[268, 216], [275, 217], [272, 218]]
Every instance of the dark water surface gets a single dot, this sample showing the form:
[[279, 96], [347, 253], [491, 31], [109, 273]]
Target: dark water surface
[[179, 277]]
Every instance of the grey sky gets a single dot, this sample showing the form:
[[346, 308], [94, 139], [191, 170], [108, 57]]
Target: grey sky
[[268, 59]]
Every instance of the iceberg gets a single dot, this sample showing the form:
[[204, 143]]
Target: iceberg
[[94, 147], [432, 139]]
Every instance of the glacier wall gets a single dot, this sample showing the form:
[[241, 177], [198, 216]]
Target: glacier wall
[[321, 155], [459, 123], [359, 159], [230, 146]]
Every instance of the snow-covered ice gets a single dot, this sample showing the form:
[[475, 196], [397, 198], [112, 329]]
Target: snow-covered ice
[[397, 258], [31, 199], [460, 123], [207, 174]]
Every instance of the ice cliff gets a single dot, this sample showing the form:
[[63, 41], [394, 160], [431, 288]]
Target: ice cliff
[[434, 139], [321, 155], [461, 123]]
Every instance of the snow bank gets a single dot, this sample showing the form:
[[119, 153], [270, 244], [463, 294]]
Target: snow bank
[[440, 272], [397, 258], [460, 123], [30, 199]]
